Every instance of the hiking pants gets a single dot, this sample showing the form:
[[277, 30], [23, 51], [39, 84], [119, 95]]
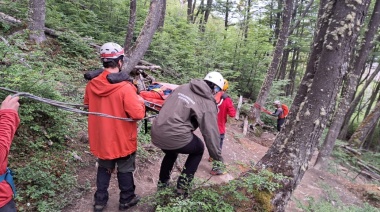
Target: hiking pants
[[9, 207], [125, 167], [195, 151], [280, 122]]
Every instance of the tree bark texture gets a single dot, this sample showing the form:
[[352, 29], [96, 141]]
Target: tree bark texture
[[163, 12], [189, 11], [36, 20], [350, 88], [354, 103], [145, 38], [131, 25], [366, 126], [268, 81], [294, 145]]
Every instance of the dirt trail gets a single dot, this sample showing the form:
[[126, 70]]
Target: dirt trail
[[238, 152]]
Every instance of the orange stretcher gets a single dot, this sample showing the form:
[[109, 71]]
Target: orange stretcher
[[155, 95]]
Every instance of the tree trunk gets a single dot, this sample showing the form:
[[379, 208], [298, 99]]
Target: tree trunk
[[162, 18], [278, 20], [247, 19], [366, 126], [343, 132], [189, 11], [131, 26], [292, 73], [36, 21], [372, 99], [226, 15], [294, 145], [142, 43], [206, 12], [351, 81], [267, 84]]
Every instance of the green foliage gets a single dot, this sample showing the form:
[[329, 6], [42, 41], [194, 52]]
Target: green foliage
[[235, 194], [41, 180], [332, 203]]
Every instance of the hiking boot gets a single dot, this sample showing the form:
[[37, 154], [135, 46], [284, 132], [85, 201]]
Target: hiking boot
[[133, 202], [181, 193], [162, 186], [217, 172], [99, 208]]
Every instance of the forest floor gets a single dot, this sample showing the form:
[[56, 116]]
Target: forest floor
[[238, 150]]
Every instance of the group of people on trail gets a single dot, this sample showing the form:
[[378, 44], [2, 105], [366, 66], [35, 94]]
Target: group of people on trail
[[202, 104], [114, 142]]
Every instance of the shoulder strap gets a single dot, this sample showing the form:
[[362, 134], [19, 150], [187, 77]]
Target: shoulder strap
[[8, 176]]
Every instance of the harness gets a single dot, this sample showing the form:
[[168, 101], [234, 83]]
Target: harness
[[8, 176]]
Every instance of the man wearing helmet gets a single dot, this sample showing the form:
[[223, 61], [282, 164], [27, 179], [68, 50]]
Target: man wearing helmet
[[279, 114], [113, 141], [190, 106]]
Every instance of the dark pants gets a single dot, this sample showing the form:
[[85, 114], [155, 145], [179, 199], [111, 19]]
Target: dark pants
[[125, 167], [9, 207], [195, 151], [221, 141], [280, 122]]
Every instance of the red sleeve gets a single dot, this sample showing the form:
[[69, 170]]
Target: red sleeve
[[85, 101], [132, 104], [9, 122], [230, 107]]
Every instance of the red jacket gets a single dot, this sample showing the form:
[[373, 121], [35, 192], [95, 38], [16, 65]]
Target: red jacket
[[9, 122], [225, 108], [112, 138]]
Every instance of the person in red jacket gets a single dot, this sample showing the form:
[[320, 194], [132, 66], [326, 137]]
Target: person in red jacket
[[225, 108], [113, 141], [9, 122]]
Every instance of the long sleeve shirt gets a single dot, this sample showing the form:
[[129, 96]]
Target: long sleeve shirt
[[9, 122]]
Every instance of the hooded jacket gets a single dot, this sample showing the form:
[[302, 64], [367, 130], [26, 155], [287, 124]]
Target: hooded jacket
[[190, 106], [225, 108], [9, 122], [112, 138]]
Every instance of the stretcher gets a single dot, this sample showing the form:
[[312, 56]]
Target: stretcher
[[156, 94]]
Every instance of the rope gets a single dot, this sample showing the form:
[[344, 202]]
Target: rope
[[67, 106], [256, 105]]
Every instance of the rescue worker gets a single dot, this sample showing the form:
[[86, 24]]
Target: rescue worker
[[279, 114], [9, 121], [226, 108], [113, 141], [190, 106]]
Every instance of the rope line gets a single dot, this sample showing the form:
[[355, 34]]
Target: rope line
[[66, 106]]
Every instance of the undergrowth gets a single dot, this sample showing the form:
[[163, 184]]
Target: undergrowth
[[251, 192]]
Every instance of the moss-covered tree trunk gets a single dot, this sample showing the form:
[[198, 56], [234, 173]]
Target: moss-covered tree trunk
[[271, 72], [349, 89], [339, 23], [36, 20], [366, 126]]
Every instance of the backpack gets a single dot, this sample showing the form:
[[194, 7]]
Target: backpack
[[285, 111]]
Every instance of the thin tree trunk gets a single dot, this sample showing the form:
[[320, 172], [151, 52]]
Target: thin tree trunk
[[247, 19], [162, 18], [294, 145], [343, 132], [189, 11], [366, 126], [145, 37], [226, 15], [268, 81], [352, 79], [372, 99], [36, 20], [292, 73], [278, 21], [131, 25]]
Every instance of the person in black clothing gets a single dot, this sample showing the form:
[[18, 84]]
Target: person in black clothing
[[278, 113]]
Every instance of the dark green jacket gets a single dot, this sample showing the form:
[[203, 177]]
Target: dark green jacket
[[190, 106]]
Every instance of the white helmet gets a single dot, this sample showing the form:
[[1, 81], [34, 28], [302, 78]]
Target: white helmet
[[111, 51], [277, 102], [216, 78]]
